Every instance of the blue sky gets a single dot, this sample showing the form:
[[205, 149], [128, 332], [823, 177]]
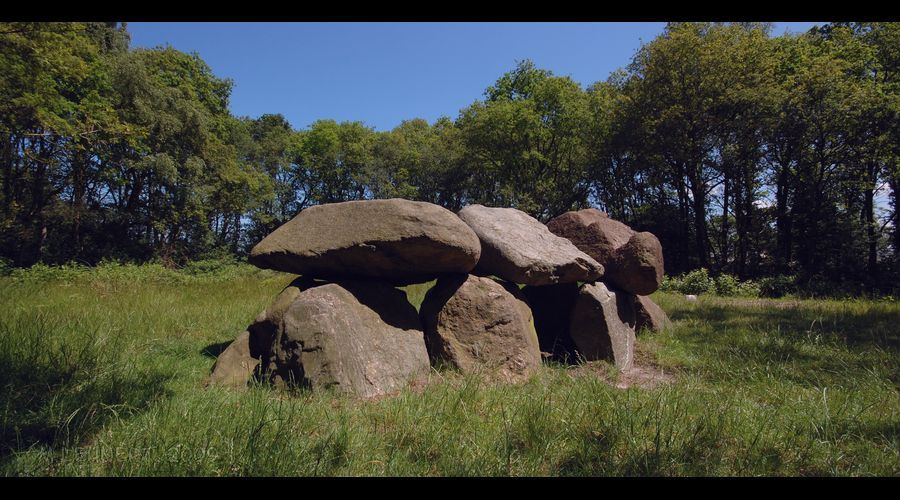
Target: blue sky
[[383, 73]]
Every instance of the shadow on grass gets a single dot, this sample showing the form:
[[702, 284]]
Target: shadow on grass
[[855, 326], [887, 432], [806, 342], [214, 350], [58, 393]]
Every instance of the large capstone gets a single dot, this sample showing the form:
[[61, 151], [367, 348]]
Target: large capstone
[[633, 261], [518, 248], [481, 326], [362, 338], [394, 240], [593, 232], [602, 325], [637, 266]]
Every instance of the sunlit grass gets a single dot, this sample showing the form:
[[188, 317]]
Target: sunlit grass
[[106, 377]]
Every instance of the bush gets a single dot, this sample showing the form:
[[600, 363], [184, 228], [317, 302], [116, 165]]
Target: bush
[[727, 285], [669, 284], [41, 273], [210, 267], [777, 286], [117, 272], [112, 272], [697, 282], [748, 288], [5, 267]]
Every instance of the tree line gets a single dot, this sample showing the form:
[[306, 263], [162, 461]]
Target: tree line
[[745, 153]]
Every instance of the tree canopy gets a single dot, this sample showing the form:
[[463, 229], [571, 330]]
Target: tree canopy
[[743, 152]]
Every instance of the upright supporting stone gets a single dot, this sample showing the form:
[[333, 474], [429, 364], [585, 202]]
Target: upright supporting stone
[[481, 326], [362, 338], [602, 325], [234, 367], [649, 315], [637, 266]]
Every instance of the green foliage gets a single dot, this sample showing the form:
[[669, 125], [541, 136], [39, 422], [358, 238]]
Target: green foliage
[[726, 285], [123, 274], [6, 267], [777, 286], [693, 283], [42, 273], [699, 282], [729, 286], [333, 158], [269, 144], [750, 154], [526, 143]]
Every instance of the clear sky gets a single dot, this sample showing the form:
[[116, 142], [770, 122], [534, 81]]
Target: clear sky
[[383, 73]]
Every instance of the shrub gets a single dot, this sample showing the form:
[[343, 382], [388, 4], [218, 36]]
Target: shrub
[[41, 273], [727, 285], [112, 272], [670, 284], [117, 272], [748, 288], [698, 282], [777, 286], [210, 266]]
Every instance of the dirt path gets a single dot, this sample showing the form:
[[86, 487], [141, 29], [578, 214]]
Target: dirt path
[[644, 373]]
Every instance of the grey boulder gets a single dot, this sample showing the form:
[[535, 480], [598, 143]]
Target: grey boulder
[[593, 232], [649, 315], [235, 366], [637, 266], [264, 328], [602, 325], [518, 248]]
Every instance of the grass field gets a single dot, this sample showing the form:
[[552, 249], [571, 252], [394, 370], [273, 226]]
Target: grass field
[[103, 374]]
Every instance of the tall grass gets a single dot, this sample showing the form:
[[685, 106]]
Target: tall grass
[[106, 377]]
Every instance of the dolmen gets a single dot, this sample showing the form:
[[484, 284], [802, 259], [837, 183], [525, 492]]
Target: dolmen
[[508, 291]]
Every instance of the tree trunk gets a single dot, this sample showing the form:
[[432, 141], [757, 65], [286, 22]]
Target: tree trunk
[[783, 221], [701, 230], [8, 160], [740, 229], [237, 233], [871, 236], [895, 185], [685, 227], [723, 245], [34, 252], [746, 225], [698, 192], [79, 188]]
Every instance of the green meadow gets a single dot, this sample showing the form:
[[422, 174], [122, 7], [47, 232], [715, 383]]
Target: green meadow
[[102, 372]]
